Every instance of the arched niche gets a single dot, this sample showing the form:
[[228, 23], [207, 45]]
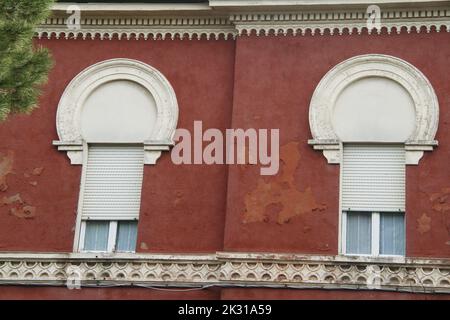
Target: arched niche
[[374, 98], [117, 101]]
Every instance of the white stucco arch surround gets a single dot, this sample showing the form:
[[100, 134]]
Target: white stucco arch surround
[[68, 115], [374, 65]]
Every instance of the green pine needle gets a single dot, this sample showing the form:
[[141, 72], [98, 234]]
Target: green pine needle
[[23, 67]]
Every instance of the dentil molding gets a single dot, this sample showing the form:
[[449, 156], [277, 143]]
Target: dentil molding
[[221, 20]]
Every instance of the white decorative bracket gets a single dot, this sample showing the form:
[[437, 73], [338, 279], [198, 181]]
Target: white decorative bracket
[[152, 150]]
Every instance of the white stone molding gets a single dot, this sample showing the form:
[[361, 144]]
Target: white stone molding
[[374, 65], [219, 20], [137, 27], [228, 269], [68, 122]]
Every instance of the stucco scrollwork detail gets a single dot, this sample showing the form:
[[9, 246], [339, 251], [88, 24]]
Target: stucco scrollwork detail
[[68, 117], [374, 65]]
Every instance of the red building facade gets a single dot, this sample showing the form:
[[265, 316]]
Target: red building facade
[[226, 229]]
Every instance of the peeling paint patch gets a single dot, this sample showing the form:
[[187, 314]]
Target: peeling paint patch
[[6, 165], [26, 212], [424, 224], [12, 199], [33, 183], [18, 207], [441, 200], [441, 203], [37, 171], [280, 194], [179, 199], [143, 246]]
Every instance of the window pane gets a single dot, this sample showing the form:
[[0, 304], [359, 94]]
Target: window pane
[[126, 236], [359, 233], [392, 233], [96, 236]]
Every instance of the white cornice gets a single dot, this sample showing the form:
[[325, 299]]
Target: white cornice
[[318, 3], [132, 7], [226, 269], [136, 21]]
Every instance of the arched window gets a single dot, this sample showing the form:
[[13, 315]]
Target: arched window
[[113, 118], [373, 114]]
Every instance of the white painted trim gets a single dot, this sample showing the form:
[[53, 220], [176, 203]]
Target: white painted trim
[[343, 238], [375, 234], [79, 228], [112, 236], [291, 3], [342, 224], [80, 240], [68, 115], [374, 65], [132, 7]]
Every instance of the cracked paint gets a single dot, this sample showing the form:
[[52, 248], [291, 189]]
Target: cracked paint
[[6, 165], [280, 195]]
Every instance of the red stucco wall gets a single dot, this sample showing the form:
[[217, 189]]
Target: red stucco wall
[[183, 207], [180, 212], [264, 82], [275, 78], [61, 293]]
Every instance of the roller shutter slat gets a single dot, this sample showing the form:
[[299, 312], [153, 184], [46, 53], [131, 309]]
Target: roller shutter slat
[[113, 182], [373, 178]]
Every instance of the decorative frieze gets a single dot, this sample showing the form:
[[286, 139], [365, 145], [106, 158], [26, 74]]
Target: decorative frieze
[[227, 269], [215, 22]]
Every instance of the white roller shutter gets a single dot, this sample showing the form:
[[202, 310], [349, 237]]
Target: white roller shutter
[[373, 178], [113, 182]]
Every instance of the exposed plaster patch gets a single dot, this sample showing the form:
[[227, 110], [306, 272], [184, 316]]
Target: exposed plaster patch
[[18, 207], [6, 165], [424, 223], [280, 196], [37, 171], [12, 199], [179, 199], [143, 246], [26, 212], [441, 200], [441, 203]]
